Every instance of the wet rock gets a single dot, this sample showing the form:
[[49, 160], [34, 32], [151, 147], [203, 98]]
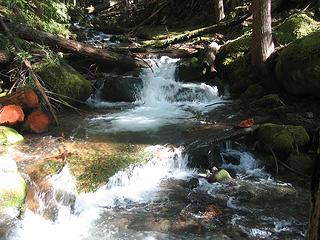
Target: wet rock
[[270, 103], [9, 136], [231, 158], [282, 139], [120, 88], [205, 157], [193, 183], [191, 70], [13, 189], [254, 91], [301, 163], [298, 64], [220, 176]]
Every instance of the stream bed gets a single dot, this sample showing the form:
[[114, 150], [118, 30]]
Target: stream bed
[[163, 198]]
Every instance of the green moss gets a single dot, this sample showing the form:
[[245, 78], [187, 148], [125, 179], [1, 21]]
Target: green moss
[[295, 27], [64, 81], [282, 139], [298, 67], [222, 176], [9, 136], [51, 16], [254, 91], [95, 168], [13, 196]]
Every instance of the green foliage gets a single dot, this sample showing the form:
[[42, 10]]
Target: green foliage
[[50, 16]]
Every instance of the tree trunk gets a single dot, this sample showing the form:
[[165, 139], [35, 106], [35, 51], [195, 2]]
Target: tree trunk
[[262, 34], [5, 57], [72, 46], [234, 4], [26, 98], [218, 10], [11, 115]]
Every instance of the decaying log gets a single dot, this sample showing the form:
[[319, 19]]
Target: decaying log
[[26, 98], [11, 115], [193, 34], [66, 45], [5, 57], [38, 122]]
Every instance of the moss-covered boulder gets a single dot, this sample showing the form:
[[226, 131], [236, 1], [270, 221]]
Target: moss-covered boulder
[[9, 136], [221, 176], [191, 70], [269, 104], [65, 81], [298, 67], [281, 139], [295, 27], [254, 91], [232, 60]]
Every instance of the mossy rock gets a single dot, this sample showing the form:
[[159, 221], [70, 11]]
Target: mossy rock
[[94, 164], [191, 70], [232, 58], [9, 136], [295, 27], [269, 104], [282, 139], [65, 81], [254, 91], [298, 67], [13, 190], [222, 176]]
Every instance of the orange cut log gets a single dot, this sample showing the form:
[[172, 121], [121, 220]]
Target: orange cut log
[[26, 98], [38, 122], [11, 115]]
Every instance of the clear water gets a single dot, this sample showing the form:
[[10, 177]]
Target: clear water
[[158, 199]]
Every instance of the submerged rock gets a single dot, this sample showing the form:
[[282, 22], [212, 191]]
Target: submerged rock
[[282, 139], [120, 88]]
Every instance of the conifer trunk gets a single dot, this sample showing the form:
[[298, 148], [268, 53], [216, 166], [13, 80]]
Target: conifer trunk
[[262, 44], [218, 10]]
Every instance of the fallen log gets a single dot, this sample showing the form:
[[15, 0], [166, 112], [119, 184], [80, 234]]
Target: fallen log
[[72, 46], [11, 115], [37, 122], [26, 98], [193, 34], [5, 57]]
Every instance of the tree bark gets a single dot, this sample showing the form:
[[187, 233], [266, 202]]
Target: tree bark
[[26, 98], [261, 34], [66, 45], [5, 57], [218, 10]]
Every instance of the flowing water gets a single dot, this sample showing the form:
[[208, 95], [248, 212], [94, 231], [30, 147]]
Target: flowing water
[[163, 198]]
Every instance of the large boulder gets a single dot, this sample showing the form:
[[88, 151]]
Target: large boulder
[[66, 82], [121, 88], [191, 70], [282, 139], [298, 66]]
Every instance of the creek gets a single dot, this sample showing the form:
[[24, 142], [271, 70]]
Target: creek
[[162, 198]]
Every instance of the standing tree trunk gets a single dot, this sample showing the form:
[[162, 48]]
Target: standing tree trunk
[[262, 44], [218, 10]]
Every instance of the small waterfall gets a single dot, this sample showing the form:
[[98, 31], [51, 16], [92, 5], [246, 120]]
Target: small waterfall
[[164, 101], [74, 220]]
